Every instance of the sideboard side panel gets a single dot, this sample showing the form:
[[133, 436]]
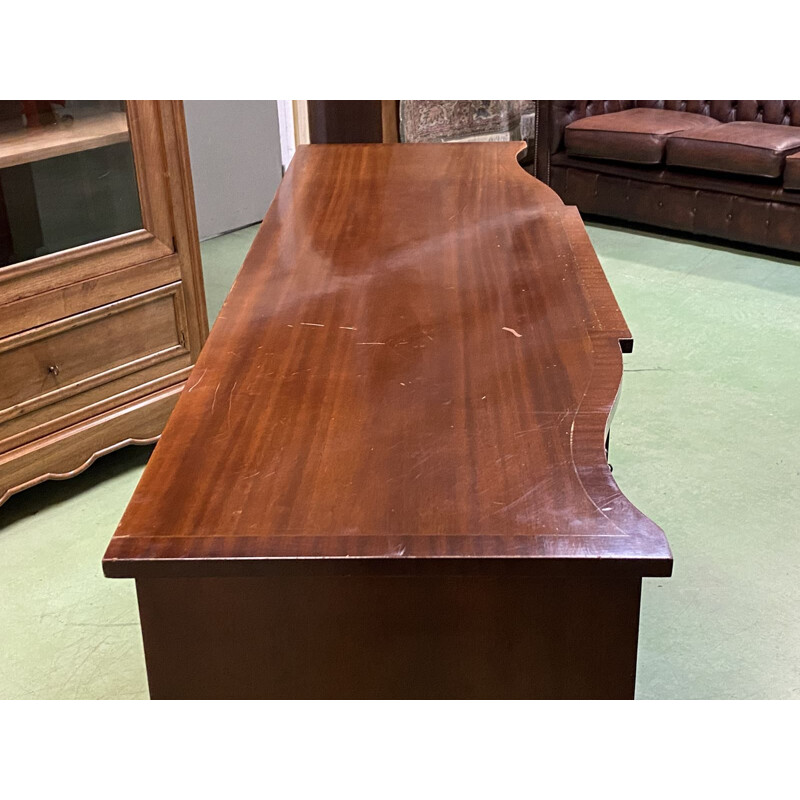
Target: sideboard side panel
[[390, 637]]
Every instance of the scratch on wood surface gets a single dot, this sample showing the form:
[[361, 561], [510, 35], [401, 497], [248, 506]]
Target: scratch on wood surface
[[230, 403], [195, 385], [347, 328], [313, 324], [512, 331], [216, 391], [370, 342]]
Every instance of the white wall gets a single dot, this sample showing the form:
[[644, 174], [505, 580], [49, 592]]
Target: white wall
[[234, 147]]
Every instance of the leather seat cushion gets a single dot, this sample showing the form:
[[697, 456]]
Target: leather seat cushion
[[791, 173], [636, 135], [758, 149]]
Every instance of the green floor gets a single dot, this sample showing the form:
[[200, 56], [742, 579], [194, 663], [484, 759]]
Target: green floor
[[704, 440]]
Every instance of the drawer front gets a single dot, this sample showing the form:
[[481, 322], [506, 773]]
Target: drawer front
[[51, 363], [68, 301]]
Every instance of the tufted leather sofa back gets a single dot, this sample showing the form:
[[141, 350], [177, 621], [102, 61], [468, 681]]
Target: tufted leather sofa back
[[774, 112]]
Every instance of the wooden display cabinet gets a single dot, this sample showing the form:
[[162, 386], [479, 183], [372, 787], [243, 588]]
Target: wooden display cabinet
[[102, 308]]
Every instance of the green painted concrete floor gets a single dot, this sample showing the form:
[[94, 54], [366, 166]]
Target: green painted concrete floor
[[704, 440]]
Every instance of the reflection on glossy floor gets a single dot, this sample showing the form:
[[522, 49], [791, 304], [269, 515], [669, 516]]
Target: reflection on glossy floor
[[704, 440]]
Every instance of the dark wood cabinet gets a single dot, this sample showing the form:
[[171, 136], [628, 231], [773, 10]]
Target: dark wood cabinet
[[353, 121], [387, 477]]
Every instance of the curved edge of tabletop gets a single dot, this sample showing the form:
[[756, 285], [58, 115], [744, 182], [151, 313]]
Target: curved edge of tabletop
[[645, 552]]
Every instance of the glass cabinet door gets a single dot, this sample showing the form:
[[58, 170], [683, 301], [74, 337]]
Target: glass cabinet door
[[67, 176]]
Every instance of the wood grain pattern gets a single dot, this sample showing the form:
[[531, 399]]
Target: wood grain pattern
[[413, 372], [26, 146], [73, 449], [67, 412], [65, 301], [46, 364], [67, 267], [182, 209], [413, 636], [96, 341], [390, 113]]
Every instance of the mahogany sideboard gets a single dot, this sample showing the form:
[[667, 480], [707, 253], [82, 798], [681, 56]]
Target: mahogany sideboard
[[386, 477], [102, 309]]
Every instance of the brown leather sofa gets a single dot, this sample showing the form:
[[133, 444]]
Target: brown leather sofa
[[727, 169]]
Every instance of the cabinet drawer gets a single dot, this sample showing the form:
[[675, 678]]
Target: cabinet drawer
[[50, 305], [53, 362]]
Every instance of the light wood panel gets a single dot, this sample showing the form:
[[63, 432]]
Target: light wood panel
[[72, 449], [96, 341], [46, 364], [389, 121], [62, 138]]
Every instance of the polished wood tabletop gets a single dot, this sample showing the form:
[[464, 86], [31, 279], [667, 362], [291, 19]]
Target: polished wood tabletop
[[413, 371]]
